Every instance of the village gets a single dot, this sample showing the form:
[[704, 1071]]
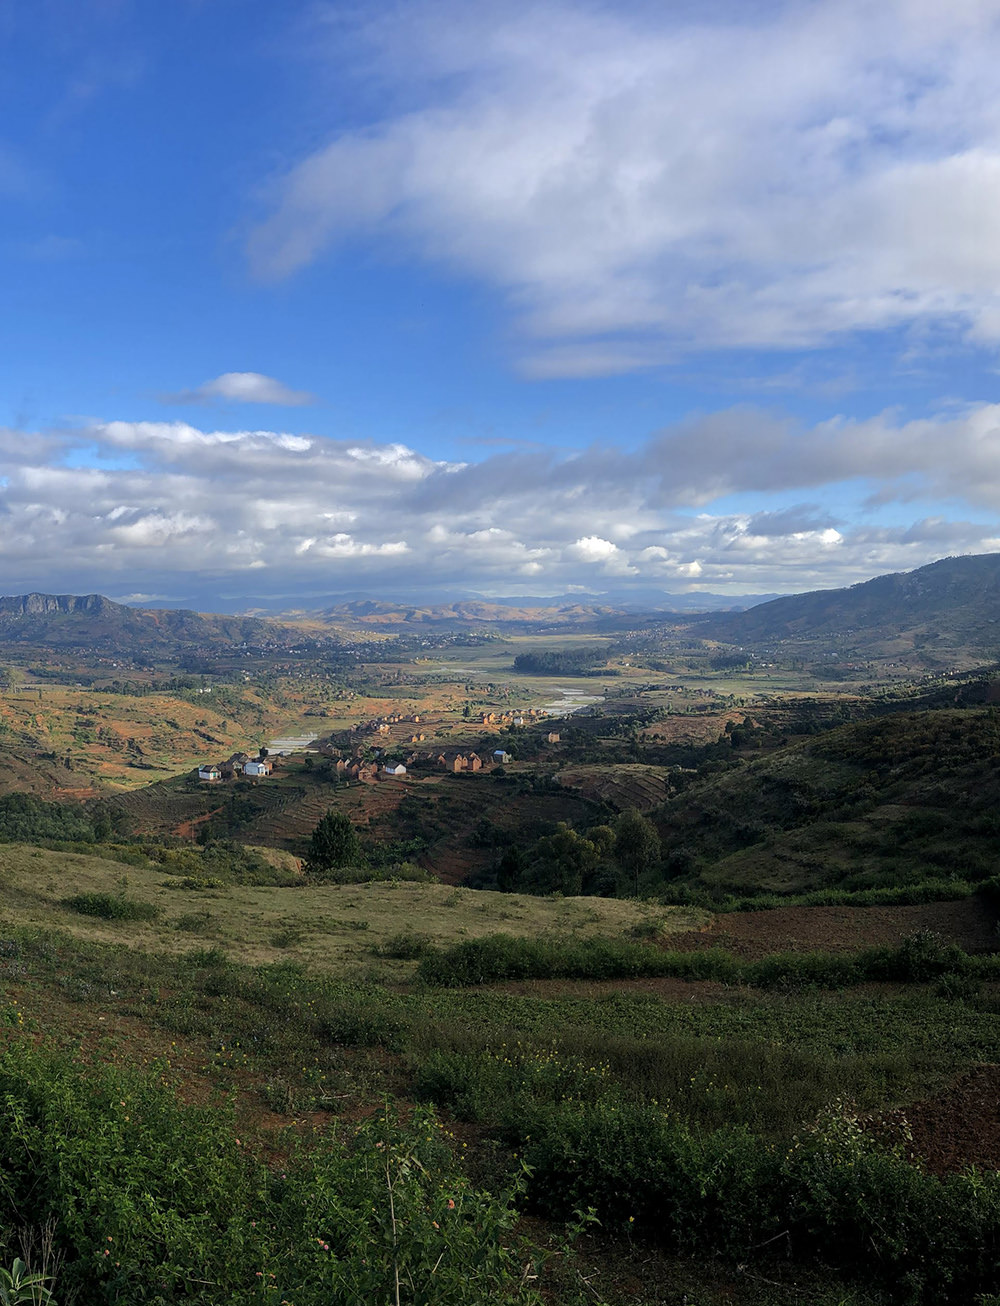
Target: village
[[352, 755]]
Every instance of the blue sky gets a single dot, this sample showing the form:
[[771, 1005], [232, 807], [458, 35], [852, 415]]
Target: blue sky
[[514, 298]]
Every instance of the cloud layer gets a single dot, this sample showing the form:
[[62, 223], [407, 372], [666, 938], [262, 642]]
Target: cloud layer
[[168, 508], [644, 180]]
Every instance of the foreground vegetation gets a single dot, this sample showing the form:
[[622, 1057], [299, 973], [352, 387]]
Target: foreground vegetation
[[728, 1126]]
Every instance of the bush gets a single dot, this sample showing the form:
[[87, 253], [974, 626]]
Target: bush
[[496, 957], [112, 907], [408, 945], [157, 1202]]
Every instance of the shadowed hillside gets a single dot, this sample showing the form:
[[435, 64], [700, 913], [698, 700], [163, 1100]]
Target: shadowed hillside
[[876, 803], [949, 608], [92, 623]]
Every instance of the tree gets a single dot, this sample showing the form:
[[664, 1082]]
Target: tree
[[603, 839], [511, 870], [333, 843], [637, 844], [563, 859]]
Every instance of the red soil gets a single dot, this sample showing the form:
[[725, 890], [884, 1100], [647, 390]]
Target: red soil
[[841, 929], [955, 1129]]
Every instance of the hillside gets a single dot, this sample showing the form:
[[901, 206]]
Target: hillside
[[884, 802], [947, 611], [332, 928], [93, 625]]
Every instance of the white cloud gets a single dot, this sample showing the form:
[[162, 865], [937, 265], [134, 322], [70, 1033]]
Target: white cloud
[[642, 180], [593, 549], [192, 507], [242, 388]]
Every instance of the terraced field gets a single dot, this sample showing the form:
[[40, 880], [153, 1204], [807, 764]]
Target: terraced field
[[620, 786]]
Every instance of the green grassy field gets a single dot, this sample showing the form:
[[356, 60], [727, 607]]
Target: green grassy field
[[331, 928]]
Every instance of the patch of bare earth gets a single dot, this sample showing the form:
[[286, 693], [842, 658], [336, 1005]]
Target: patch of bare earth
[[953, 1130], [969, 923]]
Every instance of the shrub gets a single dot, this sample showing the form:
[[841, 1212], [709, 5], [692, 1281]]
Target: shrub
[[157, 1202], [112, 907], [496, 957], [408, 945]]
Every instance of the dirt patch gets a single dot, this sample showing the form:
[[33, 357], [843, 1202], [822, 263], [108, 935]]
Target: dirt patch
[[189, 829], [752, 934], [956, 1128]]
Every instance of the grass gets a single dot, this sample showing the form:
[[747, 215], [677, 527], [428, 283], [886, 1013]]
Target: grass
[[331, 928]]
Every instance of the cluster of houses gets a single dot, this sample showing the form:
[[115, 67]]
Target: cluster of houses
[[456, 762], [238, 764], [382, 725], [519, 718]]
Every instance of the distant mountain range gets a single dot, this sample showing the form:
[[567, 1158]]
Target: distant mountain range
[[947, 609], [948, 606], [529, 610], [431, 601], [91, 623]]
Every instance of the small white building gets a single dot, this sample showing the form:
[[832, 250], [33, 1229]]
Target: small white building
[[262, 766], [210, 772], [500, 756], [394, 768]]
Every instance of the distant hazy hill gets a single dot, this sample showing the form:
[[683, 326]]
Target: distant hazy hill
[[93, 623], [564, 610], [380, 613], [954, 603]]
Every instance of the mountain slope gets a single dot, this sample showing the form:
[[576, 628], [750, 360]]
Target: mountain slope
[[95, 624], [950, 604]]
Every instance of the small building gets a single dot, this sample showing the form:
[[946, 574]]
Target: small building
[[209, 772], [500, 756], [259, 767], [394, 768], [552, 737], [475, 762]]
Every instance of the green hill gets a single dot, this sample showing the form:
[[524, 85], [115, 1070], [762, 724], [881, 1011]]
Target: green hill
[[883, 802]]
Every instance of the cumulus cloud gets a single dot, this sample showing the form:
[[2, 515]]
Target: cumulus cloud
[[242, 388], [192, 509], [649, 178]]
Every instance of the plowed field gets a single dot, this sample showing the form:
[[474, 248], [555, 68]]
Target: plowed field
[[968, 923], [954, 1129]]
